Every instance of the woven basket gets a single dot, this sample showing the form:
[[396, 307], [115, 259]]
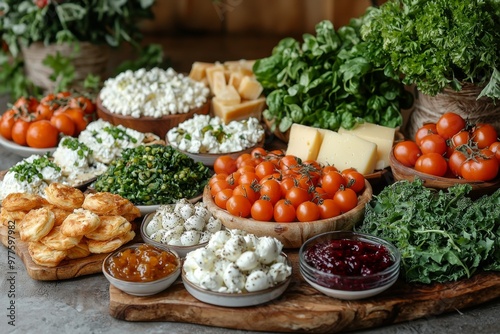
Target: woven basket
[[428, 109], [90, 58]]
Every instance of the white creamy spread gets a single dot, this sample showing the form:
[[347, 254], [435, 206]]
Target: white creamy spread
[[206, 134], [235, 261]]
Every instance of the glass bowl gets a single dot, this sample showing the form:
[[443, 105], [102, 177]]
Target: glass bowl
[[349, 265], [141, 288]]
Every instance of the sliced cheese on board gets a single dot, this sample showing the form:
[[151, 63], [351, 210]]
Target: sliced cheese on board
[[346, 151], [381, 135], [304, 142], [243, 110]]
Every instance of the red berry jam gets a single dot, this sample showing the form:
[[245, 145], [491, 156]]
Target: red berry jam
[[348, 259]]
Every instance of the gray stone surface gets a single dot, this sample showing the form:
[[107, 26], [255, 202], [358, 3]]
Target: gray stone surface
[[81, 306]]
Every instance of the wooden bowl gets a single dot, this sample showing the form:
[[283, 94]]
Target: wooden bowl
[[292, 235], [158, 126], [479, 188]]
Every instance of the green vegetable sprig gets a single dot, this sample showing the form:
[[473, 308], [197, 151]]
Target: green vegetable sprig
[[154, 174], [329, 82], [442, 235], [438, 43], [27, 171]]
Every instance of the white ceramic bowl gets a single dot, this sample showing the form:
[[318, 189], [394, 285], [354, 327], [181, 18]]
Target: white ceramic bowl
[[141, 288], [244, 299], [350, 286], [181, 250], [24, 151]]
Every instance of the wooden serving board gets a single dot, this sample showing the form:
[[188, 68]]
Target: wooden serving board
[[303, 309]]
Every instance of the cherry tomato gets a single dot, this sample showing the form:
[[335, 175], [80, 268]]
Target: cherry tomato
[[484, 135], [424, 130], [216, 177], [455, 162], [248, 177], [284, 211], [460, 138], [19, 132], [264, 168], [262, 210], [328, 209], [329, 168], [432, 163], [495, 148], [332, 181], [289, 163], [258, 153], [450, 124], [222, 196], [483, 167], [433, 143], [246, 190], [297, 195], [286, 184], [346, 199], [241, 158], [219, 186], [7, 122], [239, 205], [42, 134], [307, 212], [27, 104], [78, 118], [319, 194], [225, 164], [43, 111], [271, 189], [407, 152], [64, 124], [355, 181], [83, 103]]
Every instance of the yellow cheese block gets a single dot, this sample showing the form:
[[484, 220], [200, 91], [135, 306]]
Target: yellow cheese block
[[210, 71], [249, 88], [243, 110], [235, 79], [198, 70], [218, 82], [347, 151], [242, 65], [228, 95], [304, 142], [383, 136]]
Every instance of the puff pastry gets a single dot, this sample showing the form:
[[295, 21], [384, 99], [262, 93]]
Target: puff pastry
[[110, 227], [107, 204], [79, 223], [64, 196], [36, 224], [79, 251], [22, 202], [45, 256], [60, 214], [6, 217], [58, 241], [98, 247], [132, 214]]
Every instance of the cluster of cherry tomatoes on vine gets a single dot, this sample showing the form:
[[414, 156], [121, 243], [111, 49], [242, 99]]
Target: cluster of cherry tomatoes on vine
[[272, 186], [452, 147], [41, 123]]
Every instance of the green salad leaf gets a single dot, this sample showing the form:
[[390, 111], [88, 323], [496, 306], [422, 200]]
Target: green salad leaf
[[327, 81], [443, 236]]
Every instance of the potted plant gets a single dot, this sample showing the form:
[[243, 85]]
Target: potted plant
[[59, 43], [448, 49]]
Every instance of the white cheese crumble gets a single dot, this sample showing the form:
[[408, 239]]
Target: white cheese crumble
[[153, 93], [235, 261], [206, 134]]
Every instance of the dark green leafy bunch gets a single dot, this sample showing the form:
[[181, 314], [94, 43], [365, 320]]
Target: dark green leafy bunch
[[154, 174], [442, 235], [438, 43], [328, 82]]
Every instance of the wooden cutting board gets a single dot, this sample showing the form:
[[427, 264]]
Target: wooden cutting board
[[303, 309], [65, 270]]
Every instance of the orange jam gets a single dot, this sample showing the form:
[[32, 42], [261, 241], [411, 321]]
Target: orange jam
[[142, 264]]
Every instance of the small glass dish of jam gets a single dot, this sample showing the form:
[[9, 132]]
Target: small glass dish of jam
[[349, 265], [142, 269]]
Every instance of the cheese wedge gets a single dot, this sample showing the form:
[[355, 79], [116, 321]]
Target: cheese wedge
[[198, 70], [210, 71], [304, 142], [218, 82], [383, 136], [243, 110], [228, 95], [346, 151], [235, 79], [249, 88]]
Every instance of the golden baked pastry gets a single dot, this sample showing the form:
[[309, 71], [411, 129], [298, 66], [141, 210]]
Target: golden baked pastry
[[64, 196], [45, 256], [36, 224], [11, 217], [60, 214], [98, 247], [22, 201], [110, 227], [79, 223], [132, 214], [107, 204], [79, 251], [58, 241]]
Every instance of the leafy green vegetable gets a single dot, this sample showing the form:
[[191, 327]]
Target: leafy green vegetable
[[442, 235], [437, 43], [327, 81], [154, 174]]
